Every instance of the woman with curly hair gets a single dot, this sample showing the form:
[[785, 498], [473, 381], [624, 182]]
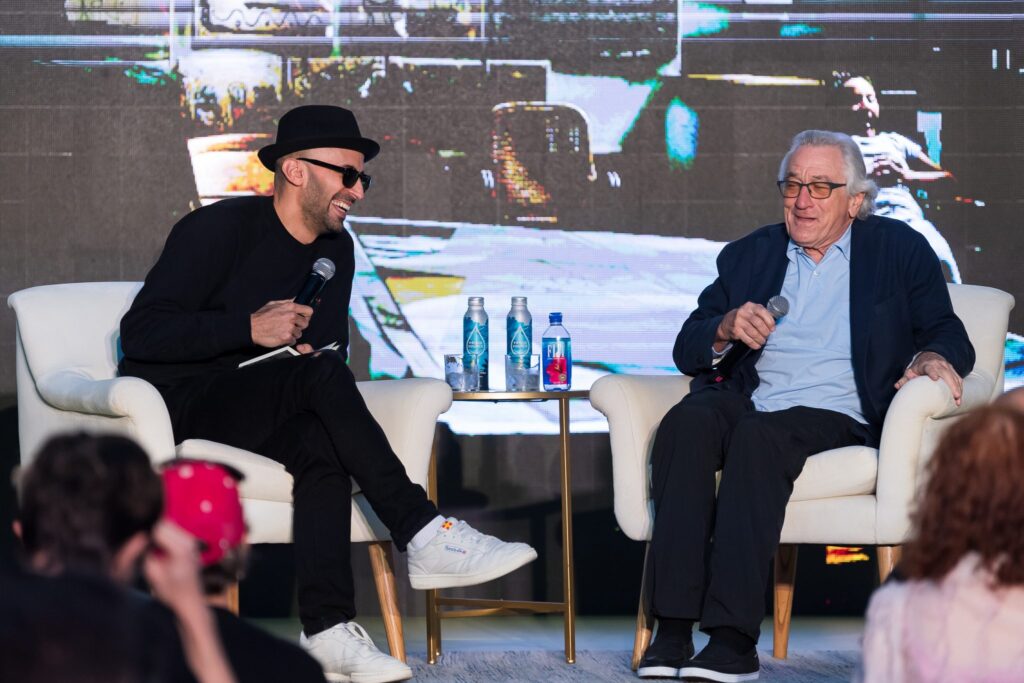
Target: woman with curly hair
[[957, 614]]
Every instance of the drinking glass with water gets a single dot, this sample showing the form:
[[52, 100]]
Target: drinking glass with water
[[522, 373], [462, 373]]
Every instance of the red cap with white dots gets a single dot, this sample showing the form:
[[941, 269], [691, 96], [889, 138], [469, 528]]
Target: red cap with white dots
[[202, 498]]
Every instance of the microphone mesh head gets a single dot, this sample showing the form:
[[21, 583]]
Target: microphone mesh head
[[778, 306], [324, 267]]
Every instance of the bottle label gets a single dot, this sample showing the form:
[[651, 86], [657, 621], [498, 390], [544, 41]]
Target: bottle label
[[474, 345], [557, 363], [519, 345]]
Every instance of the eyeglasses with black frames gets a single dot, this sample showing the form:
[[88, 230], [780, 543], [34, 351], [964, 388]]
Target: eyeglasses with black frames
[[349, 175], [819, 189]]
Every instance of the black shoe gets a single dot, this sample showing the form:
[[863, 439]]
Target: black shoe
[[721, 666], [664, 661]]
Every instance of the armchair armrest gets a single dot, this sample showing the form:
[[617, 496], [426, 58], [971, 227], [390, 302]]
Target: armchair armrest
[[407, 411], [918, 415], [634, 406], [124, 405]]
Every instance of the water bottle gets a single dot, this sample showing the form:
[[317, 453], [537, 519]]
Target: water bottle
[[519, 331], [556, 347], [475, 338]]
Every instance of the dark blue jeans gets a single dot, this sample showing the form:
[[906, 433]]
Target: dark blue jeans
[[307, 414]]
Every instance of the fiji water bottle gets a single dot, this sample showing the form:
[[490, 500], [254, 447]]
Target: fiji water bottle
[[556, 364], [475, 337], [519, 331]]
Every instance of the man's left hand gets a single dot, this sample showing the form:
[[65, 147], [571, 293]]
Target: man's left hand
[[931, 364], [304, 348]]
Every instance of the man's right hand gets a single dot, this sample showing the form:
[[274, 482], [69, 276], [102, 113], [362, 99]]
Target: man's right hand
[[279, 323], [173, 568], [750, 323]]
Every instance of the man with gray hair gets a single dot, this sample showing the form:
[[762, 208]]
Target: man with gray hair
[[865, 310]]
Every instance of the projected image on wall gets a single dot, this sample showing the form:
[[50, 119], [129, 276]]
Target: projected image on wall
[[593, 156]]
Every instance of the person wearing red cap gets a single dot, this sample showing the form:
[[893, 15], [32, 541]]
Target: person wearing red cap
[[89, 514], [221, 293], [202, 498]]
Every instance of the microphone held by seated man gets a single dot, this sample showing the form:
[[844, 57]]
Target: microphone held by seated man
[[776, 307]]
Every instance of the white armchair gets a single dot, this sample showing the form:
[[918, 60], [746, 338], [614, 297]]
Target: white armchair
[[67, 353], [848, 496]]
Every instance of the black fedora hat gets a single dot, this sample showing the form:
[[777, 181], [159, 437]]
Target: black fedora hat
[[317, 125]]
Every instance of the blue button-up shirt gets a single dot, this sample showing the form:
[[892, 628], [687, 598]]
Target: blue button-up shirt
[[807, 360]]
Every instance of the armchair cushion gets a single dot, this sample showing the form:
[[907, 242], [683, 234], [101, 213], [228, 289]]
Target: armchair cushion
[[848, 471], [265, 479]]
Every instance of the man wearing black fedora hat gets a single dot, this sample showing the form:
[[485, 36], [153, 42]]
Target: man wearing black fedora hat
[[220, 294]]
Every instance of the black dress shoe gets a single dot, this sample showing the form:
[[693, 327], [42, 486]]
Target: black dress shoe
[[663, 660], [716, 664]]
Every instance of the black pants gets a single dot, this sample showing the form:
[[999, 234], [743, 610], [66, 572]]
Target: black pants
[[710, 558], [307, 414]]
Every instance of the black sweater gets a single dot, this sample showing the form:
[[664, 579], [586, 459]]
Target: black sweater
[[220, 264]]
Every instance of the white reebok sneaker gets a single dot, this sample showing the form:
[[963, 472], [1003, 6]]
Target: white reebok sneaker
[[347, 655], [459, 555]]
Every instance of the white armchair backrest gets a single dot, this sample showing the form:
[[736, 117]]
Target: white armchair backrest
[[72, 326], [985, 313]]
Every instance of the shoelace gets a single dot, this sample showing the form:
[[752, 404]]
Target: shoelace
[[360, 633], [362, 638]]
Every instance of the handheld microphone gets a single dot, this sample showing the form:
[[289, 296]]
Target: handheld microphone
[[323, 270], [777, 306]]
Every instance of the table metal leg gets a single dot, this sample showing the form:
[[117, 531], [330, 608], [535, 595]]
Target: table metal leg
[[433, 619], [433, 628], [567, 606], [567, 555]]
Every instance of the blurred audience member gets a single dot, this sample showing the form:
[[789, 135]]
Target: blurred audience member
[[202, 498], [958, 615], [1013, 399], [90, 507], [81, 629]]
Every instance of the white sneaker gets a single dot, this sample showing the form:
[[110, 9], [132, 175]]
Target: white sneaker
[[459, 555], [347, 655]]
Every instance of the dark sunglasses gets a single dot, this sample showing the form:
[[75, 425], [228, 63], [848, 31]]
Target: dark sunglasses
[[349, 175]]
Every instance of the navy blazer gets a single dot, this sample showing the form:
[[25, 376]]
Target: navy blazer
[[899, 305]]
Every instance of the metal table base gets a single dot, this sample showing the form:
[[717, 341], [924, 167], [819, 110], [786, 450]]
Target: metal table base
[[471, 607]]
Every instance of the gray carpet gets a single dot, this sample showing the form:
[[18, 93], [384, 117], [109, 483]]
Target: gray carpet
[[599, 666]]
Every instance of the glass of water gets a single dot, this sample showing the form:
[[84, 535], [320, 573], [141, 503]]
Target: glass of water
[[462, 372], [522, 373]]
